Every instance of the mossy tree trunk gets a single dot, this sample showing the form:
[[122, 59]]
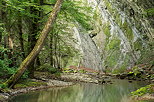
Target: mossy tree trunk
[[20, 36], [33, 28], [38, 46]]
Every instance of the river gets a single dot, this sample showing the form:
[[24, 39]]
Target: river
[[118, 91]]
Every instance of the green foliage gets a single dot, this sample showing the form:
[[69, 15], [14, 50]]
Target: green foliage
[[3, 86], [136, 70], [150, 11], [147, 55], [138, 44], [25, 75], [70, 70], [1, 27], [122, 69], [5, 69], [106, 29], [75, 11], [2, 50], [20, 7], [114, 44], [128, 31], [47, 67], [143, 90]]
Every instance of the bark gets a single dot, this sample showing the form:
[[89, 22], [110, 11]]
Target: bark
[[39, 44], [51, 50], [34, 28], [1, 12], [8, 39], [0, 38], [10, 52], [0, 22], [38, 63], [56, 51], [20, 37]]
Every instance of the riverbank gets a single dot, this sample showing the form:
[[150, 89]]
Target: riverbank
[[44, 80], [19, 88]]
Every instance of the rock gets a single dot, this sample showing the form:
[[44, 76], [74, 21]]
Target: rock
[[3, 97], [58, 83], [130, 81], [146, 97], [123, 76]]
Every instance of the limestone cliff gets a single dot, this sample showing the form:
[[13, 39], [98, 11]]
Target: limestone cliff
[[123, 33]]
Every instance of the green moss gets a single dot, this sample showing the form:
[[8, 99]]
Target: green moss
[[28, 83], [114, 44], [112, 49], [150, 11], [108, 4], [118, 20], [147, 54], [123, 66], [128, 31], [106, 30], [143, 90], [2, 98], [138, 44], [122, 69], [112, 59]]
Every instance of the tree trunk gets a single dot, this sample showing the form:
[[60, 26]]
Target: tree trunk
[[2, 18], [33, 28], [0, 26], [8, 39], [51, 50], [20, 37], [39, 44], [10, 52]]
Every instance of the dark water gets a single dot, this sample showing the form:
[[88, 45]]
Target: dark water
[[116, 92]]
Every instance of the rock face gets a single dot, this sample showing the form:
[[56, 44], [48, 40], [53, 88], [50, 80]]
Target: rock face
[[90, 56], [123, 34]]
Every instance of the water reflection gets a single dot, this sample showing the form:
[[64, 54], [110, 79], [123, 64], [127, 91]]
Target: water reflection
[[116, 92]]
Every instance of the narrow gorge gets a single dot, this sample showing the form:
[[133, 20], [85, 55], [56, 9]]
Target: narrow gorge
[[77, 50]]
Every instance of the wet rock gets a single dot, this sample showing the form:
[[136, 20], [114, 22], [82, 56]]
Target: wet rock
[[58, 83], [3, 97], [86, 78], [130, 81], [123, 76]]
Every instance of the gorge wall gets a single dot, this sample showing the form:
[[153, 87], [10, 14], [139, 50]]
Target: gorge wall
[[123, 35]]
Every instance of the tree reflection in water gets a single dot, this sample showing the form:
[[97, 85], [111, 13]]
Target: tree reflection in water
[[85, 92]]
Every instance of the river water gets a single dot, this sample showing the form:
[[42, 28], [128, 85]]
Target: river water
[[85, 92]]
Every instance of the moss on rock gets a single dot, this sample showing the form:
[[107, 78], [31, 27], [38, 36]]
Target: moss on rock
[[2, 98], [29, 83], [144, 90], [137, 44], [114, 44]]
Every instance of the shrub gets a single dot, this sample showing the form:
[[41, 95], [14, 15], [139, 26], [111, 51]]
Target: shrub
[[48, 68], [5, 70]]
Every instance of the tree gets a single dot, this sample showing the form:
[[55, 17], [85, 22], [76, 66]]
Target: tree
[[33, 30], [37, 48]]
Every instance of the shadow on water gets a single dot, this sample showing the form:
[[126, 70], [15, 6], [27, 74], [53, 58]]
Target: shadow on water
[[117, 92]]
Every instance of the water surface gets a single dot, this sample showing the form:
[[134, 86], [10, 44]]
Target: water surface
[[85, 92]]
